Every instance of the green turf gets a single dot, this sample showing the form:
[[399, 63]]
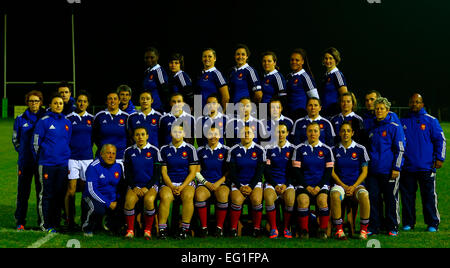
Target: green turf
[[9, 238]]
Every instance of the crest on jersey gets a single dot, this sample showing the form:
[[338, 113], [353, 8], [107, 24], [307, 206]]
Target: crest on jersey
[[154, 121], [295, 81], [184, 155], [354, 155], [267, 81], [151, 77], [206, 78], [288, 154], [148, 155], [116, 175], [67, 127], [423, 126], [89, 122], [321, 126], [240, 75], [320, 154], [45, 176], [384, 134], [254, 155], [121, 121], [220, 156]]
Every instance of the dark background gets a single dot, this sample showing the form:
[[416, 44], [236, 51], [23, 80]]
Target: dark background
[[396, 47]]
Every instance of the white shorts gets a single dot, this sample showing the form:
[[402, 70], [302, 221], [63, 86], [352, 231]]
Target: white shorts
[[77, 169], [153, 187], [233, 186], [192, 183]]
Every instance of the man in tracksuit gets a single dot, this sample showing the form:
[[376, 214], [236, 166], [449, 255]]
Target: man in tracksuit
[[386, 148], [102, 191], [51, 138], [425, 152]]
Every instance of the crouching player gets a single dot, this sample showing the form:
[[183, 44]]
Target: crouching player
[[101, 193], [313, 164], [211, 179], [278, 175], [142, 175], [246, 163], [350, 171]]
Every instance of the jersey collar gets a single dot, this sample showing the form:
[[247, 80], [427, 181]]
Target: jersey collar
[[154, 67], [353, 145], [242, 67], [333, 71], [299, 72], [250, 147], [175, 148], [317, 119], [210, 70], [219, 146], [317, 145], [272, 72]]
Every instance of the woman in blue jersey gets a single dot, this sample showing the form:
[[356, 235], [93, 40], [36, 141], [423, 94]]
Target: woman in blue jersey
[[27, 166], [81, 152], [313, 164], [211, 81], [147, 117], [313, 108], [273, 83], [110, 126], [51, 138], [246, 164], [244, 81], [333, 85], [180, 81], [156, 80], [211, 180], [348, 106], [178, 167], [350, 171], [142, 172], [278, 176], [386, 149], [300, 84]]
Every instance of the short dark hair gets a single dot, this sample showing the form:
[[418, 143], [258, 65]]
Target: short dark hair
[[333, 52], [152, 49], [84, 93], [247, 50], [179, 57]]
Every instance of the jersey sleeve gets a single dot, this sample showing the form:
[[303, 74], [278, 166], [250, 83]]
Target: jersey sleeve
[[16, 134], [92, 185], [38, 135], [438, 140], [398, 142]]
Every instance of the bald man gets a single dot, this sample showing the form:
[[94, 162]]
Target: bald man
[[424, 154]]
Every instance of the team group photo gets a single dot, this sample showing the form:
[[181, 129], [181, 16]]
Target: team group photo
[[281, 148]]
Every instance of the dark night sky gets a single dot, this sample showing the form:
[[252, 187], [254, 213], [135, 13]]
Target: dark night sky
[[396, 47]]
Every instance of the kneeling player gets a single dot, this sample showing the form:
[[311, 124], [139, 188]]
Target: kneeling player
[[142, 174], [313, 164], [350, 171], [211, 179], [278, 180], [246, 162]]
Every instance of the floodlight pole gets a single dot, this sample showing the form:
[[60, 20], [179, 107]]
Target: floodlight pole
[[5, 99]]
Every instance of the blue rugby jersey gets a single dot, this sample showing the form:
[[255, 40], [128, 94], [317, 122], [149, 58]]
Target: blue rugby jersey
[[246, 162], [387, 146], [178, 160], [313, 161], [213, 162], [179, 81], [81, 141], [300, 87], [273, 85], [141, 166], [425, 141], [168, 120], [209, 82], [102, 181], [243, 81], [51, 139], [111, 129], [149, 121], [155, 78], [329, 93], [349, 162], [205, 122], [327, 134], [22, 138], [278, 163], [234, 126]]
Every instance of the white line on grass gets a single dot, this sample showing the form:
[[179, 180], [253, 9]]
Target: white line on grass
[[42, 241]]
